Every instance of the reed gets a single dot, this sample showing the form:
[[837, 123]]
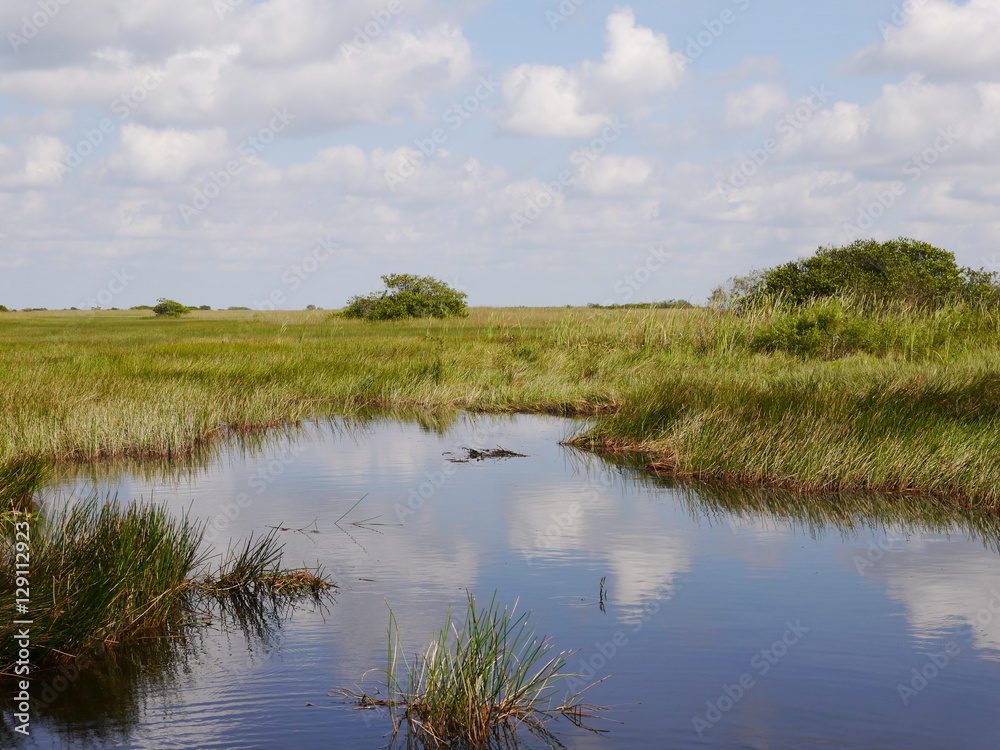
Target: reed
[[104, 573], [476, 684]]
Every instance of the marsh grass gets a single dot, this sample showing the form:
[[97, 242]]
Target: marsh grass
[[253, 568], [833, 395], [477, 684], [20, 479], [100, 574], [104, 573]]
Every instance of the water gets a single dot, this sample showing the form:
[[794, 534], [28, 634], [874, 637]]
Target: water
[[734, 618]]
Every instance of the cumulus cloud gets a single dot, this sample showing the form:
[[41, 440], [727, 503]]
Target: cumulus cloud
[[30, 166], [614, 175], [219, 78], [546, 100], [335, 66], [905, 120], [165, 156], [939, 37], [638, 61], [756, 105]]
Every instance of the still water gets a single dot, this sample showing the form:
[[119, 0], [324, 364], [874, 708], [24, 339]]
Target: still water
[[733, 618]]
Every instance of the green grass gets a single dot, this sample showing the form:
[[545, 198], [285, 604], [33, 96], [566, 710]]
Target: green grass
[[475, 685], [820, 398], [103, 574]]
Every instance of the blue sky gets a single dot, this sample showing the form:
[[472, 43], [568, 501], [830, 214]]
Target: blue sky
[[269, 154]]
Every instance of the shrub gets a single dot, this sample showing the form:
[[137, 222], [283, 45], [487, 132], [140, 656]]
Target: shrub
[[4, 308], [897, 271], [408, 296], [820, 329], [170, 308]]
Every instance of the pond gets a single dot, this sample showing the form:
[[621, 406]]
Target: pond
[[733, 618]]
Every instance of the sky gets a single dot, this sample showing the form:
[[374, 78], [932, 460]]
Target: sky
[[280, 153]]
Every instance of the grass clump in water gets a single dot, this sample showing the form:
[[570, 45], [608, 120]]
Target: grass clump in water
[[255, 568], [476, 685], [100, 574], [103, 574]]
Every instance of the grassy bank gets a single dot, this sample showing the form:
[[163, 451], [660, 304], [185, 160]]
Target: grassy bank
[[821, 398]]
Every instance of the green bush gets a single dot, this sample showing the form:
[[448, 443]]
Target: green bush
[[825, 329], [4, 308], [408, 296], [170, 308], [900, 271]]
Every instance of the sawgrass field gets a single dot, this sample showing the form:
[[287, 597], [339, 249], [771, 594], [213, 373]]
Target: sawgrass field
[[821, 397]]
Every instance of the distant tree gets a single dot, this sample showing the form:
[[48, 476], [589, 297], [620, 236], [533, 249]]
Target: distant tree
[[900, 270], [4, 308], [310, 307], [667, 304], [170, 308], [735, 289], [237, 308], [204, 307], [409, 296], [141, 307]]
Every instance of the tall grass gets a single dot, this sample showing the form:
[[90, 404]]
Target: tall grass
[[102, 574], [475, 685], [20, 479], [833, 395]]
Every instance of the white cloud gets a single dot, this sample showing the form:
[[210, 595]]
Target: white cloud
[[305, 55], [610, 175], [902, 123], [165, 156], [547, 100], [942, 38], [336, 164], [759, 104], [32, 165], [638, 61]]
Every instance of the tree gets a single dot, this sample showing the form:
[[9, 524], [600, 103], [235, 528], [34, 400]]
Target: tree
[[170, 308], [4, 308], [901, 270], [409, 296]]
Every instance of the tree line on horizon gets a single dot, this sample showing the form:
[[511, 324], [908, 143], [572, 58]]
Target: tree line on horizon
[[869, 272]]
